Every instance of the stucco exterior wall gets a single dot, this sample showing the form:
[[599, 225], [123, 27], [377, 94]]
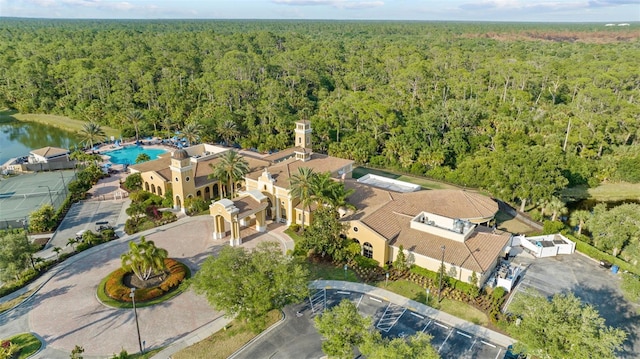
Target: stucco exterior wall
[[365, 234], [152, 178]]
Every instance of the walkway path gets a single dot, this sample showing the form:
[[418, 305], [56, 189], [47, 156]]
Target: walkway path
[[418, 307], [64, 311]]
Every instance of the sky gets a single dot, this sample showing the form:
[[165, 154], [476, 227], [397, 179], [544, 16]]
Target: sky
[[433, 10]]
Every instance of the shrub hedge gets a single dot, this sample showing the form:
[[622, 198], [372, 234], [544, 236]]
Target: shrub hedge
[[114, 286], [597, 254]]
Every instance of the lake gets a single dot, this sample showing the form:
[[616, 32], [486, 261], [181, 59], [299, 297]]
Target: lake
[[18, 138]]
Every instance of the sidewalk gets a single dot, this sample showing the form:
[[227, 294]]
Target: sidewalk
[[471, 328]]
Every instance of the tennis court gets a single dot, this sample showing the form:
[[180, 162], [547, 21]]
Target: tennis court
[[22, 194]]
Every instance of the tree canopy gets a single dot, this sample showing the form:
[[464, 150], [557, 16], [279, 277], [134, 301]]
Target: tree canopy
[[343, 328], [250, 284], [552, 104], [562, 327]]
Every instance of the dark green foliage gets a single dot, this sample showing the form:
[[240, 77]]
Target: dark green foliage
[[438, 97], [325, 236], [562, 327], [551, 227], [15, 254], [133, 182], [196, 205], [628, 169], [364, 262], [250, 284]]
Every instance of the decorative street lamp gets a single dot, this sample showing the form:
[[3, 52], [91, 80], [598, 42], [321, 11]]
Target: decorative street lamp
[[345, 272], [386, 280], [441, 274], [50, 197], [428, 291], [132, 294]]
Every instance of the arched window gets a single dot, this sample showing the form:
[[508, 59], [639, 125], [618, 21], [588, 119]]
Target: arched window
[[159, 191], [367, 250], [153, 188], [199, 193], [146, 186]]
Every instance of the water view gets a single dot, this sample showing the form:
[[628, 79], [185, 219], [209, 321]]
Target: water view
[[18, 138]]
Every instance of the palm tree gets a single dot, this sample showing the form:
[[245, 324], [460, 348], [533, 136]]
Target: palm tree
[[579, 218], [168, 126], [557, 207], [191, 131], [228, 131], [218, 173], [143, 157], [135, 117], [144, 259], [57, 251], [72, 242], [301, 187], [92, 132], [234, 167], [543, 204]]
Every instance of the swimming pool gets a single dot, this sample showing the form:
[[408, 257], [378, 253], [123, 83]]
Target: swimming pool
[[127, 155]]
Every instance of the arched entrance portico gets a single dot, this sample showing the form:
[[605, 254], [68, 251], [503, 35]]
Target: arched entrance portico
[[237, 213]]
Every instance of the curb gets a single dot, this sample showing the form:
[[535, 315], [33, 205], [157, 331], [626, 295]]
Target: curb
[[264, 332]]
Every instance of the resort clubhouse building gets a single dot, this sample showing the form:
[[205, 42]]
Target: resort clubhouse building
[[434, 227]]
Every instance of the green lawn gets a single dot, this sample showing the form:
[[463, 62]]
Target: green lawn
[[327, 271], [415, 292], [604, 192], [422, 181], [225, 342], [12, 303], [62, 122], [27, 344], [508, 223]]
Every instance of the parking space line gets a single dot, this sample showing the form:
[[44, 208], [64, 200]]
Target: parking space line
[[387, 321], [472, 344], [417, 315], [489, 344], [441, 325], [498, 355], [463, 334], [375, 299], [341, 292], [427, 326], [359, 300], [445, 340]]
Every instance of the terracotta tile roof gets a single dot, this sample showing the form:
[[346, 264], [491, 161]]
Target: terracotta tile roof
[[367, 199], [282, 171], [49, 151], [277, 156], [203, 169], [248, 205], [389, 214], [477, 253], [157, 165]]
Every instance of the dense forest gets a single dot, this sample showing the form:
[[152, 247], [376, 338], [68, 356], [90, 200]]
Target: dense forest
[[522, 110]]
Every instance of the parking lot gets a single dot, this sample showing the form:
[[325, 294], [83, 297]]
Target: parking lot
[[296, 337], [589, 282], [394, 321]]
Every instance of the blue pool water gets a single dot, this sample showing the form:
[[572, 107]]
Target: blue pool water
[[127, 155]]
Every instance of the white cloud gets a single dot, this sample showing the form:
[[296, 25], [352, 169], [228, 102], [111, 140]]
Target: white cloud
[[341, 4]]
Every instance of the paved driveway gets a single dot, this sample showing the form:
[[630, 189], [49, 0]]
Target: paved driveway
[[594, 285], [65, 311], [392, 315]]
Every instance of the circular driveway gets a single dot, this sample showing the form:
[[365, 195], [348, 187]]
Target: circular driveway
[[66, 312]]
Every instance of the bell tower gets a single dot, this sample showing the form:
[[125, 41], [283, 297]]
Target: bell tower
[[303, 140], [182, 178]]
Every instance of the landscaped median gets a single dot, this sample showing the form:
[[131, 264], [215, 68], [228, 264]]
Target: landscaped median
[[113, 292], [19, 346]]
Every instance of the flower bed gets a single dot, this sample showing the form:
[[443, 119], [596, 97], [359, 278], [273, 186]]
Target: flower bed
[[115, 288]]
